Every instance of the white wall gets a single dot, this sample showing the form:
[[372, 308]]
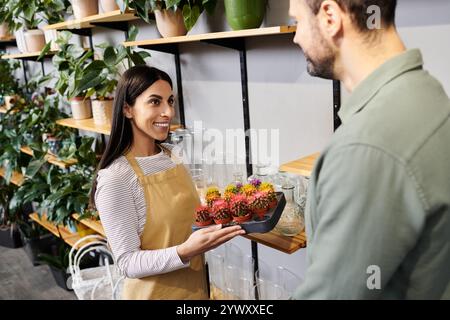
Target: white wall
[[281, 94]]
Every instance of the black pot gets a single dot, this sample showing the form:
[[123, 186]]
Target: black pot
[[34, 246], [10, 240], [60, 277]]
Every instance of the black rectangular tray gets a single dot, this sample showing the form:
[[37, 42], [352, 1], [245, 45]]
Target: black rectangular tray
[[258, 226]]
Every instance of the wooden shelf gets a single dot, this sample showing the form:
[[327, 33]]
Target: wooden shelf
[[17, 178], [89, 22], [51, 159], [303, 166], [86, 124], [59, 231], [92, 224], [214, 36], [7, 39], [26, 56], [89, 125], [279, 242]]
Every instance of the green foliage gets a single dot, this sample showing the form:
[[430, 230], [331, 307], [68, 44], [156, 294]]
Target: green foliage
[[69, 63], [60, 260], [8, 85], [32, 12], [191, 9]]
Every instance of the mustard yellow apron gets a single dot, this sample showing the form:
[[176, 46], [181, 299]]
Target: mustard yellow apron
[[171, 199]]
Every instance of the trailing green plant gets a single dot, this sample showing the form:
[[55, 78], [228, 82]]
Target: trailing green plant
[[191, 9], [31, 13], [11, 158], [69, 193], [9, 84]]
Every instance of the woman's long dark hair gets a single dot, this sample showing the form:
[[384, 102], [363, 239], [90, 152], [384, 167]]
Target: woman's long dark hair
[[132, 84]]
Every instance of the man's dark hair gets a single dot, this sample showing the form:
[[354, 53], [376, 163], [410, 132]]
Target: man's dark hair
[[358, 11]]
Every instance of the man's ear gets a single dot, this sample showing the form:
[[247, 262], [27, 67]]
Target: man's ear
[[331, 18], [127, 111]]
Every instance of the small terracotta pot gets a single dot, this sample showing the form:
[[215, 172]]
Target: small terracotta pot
[[84, 8], [273, 204], [170, 23], [34, 40], [81, 108], [222, 221], [203, 223], [241, 219], [260, 213], [107, 5]]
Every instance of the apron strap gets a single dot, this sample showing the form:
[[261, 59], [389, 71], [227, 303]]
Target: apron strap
[[137, 169]]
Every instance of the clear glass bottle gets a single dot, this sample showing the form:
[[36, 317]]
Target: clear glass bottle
[[292, 220], [261, 173]]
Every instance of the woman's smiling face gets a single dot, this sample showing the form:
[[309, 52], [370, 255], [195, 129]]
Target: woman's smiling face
[[153, 111]]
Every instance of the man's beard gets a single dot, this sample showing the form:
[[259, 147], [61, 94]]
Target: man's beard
[[322, 68], [322, 65]]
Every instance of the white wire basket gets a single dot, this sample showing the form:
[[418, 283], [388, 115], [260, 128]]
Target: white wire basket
[[98, 283]]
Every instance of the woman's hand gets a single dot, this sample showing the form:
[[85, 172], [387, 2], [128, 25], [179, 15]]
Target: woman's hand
[[206, 239]]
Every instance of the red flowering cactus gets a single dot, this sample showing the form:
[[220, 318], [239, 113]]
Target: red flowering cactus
[[221, 212], [240, 209], [270, 190], [259, 203], [203, 216]]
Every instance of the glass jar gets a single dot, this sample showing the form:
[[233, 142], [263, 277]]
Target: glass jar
[[261, 173], [292, 220]]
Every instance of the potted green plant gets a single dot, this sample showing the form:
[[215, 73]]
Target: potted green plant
[[69, 62], [6, 19], [173, 17], [246, 14], [100, 76], [9, 86], [30, 13]]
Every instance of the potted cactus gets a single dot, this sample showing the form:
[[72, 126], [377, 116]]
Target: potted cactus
[[270, 190], [203, 216], [259, 203], [221, 212], [212, 194], [240, 209]]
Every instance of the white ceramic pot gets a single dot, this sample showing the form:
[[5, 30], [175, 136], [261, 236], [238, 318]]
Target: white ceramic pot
[[102, 111], [170, 23], [34, 40], [84, 8], [4, 31], [108, 5], [81, 109]]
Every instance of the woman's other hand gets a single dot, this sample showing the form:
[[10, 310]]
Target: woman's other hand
[[206, 239]]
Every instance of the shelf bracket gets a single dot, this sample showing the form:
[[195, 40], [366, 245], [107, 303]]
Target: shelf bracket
[[86, 32], [231, 43], [165, 48], [118, 25]]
